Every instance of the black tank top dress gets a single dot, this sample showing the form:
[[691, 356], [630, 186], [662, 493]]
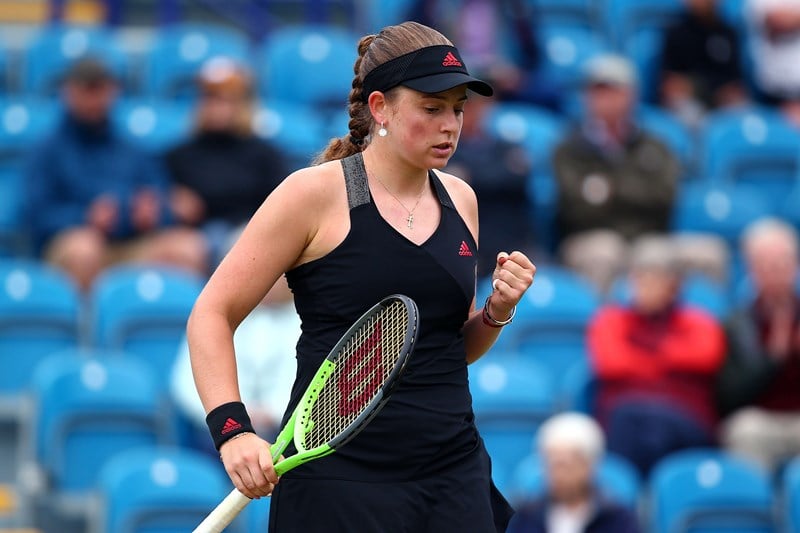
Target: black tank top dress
[[420, 465]]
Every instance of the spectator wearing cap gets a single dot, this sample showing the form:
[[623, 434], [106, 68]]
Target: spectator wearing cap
[[759, 386], [700, 65], [655, 360], [93, 198], [615, 181], [223, 173], [571, 446]]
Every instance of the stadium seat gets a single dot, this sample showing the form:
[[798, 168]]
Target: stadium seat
[[791, 496], [697, 290], [178, 52], [256, 516], [625, 18], [755, 146], [577, 388], [89, 407], [551, 320], [5, 78], [723, 209], [39, 310], [709, 491], [308, 65], [56, 47], [616, 478], [511, 396], [381, 14], [158, 489], [671, 132], [571, 12], [565, 49], [296, 129], [142, 310], [156, 125], [24, 121]]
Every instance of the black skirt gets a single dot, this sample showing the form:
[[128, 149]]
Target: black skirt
[[461, 498]]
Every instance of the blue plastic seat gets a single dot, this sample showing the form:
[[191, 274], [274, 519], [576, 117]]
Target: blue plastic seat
[[511, 396], [51, 52], [723, 209], [671, 132], [308, 65], [572, 12], [159, 489], [615, 477], [791, 495], [24, 121], [142, 310], [256, 516], [565, 49], [709, 491], [697, 290], [39, 310], [626, 18], [756, 147], [88, 408], [298, 130], [178, 52], [156, 125], [551, 320]]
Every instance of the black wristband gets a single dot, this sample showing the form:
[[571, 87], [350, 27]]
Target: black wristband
[[226, 421]]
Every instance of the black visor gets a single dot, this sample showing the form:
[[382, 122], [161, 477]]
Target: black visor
[[432, 69]]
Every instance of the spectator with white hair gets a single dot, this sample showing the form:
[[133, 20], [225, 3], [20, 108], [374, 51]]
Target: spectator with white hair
[[571, 445], [655, 360], [759, 386]]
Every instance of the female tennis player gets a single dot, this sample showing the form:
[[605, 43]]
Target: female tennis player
[[374, 217]]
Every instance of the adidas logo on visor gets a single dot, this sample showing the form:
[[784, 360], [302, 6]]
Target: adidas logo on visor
[[451, 61]]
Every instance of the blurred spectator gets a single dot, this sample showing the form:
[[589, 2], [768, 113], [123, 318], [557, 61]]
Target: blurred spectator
[[224, 172], [498, 171], [616, 182], [93, 198], [655, 361], [497, 38], [759, 385], [571, 445], [700, 66], [775, 37], [265, 361]]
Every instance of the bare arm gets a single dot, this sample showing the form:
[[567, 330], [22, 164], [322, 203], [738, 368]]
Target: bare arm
[[284, 232]]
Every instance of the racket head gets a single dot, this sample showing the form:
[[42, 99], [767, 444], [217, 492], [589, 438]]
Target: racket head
[[358, 376]]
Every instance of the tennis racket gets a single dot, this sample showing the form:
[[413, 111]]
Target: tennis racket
[[350, 387]]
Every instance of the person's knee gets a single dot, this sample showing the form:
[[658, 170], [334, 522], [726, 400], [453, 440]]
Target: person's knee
[[80, 252], [183, 247], [599, 255], [744, 429]]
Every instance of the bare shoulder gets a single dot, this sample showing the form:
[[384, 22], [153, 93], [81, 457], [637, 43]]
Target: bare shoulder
[[312, 184], [459, 190], [463, 197]]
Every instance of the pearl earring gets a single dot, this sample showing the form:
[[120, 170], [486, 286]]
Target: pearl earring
[[382, 132]]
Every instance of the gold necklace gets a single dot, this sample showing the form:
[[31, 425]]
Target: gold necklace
[[410, 217]]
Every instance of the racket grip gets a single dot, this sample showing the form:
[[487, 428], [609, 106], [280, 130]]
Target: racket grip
[[224, 513]]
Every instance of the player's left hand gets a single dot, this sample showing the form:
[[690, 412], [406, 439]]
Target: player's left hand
[[512, 276]]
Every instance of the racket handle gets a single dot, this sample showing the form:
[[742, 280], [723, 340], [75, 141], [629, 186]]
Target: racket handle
[[224, 513]]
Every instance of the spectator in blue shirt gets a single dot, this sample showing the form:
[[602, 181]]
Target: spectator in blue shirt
[[93, 198]]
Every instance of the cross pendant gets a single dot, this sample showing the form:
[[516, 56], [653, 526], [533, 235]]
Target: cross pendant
[[410, 221]]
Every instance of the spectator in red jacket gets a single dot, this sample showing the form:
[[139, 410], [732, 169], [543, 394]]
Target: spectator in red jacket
[[655, 361], [759, 385]]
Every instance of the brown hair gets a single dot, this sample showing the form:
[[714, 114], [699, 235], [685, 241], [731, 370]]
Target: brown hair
[[375, 50]]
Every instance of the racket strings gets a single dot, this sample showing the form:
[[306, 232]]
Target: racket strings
[[363, 366]]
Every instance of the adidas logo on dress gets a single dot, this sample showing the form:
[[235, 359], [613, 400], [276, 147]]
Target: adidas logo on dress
[[464, 250]]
